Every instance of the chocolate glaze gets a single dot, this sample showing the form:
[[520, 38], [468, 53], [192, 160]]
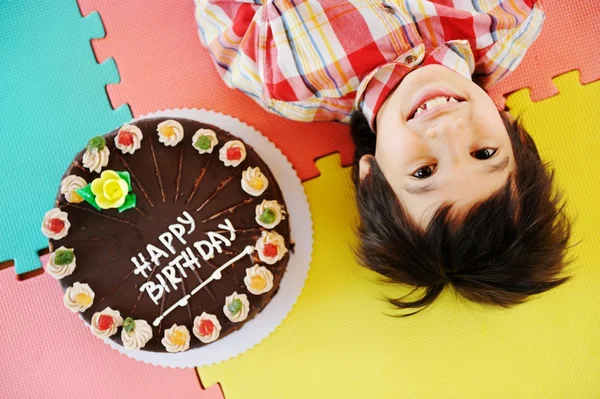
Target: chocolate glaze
[[168, 181]]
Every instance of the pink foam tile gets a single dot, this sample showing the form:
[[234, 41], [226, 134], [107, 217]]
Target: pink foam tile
[[570, 40], [47, 352], [162, 64]]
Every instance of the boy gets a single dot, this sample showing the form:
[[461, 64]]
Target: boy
[[449, 189]]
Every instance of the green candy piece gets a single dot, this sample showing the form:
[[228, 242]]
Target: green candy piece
[[268, 216], [63, 257], [203, 143], [235, 306], [128, 324], [97, 142]]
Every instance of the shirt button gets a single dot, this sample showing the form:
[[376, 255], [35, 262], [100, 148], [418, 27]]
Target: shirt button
[[409, 60], [387, 8]]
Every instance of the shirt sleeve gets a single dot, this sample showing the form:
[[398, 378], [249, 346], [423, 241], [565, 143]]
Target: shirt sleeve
[[231, 31], [508, 51]]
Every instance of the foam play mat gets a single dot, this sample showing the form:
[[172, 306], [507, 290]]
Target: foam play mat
[[338, 343]]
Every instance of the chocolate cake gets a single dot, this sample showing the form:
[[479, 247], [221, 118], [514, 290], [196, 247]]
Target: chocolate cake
[[167, 234]]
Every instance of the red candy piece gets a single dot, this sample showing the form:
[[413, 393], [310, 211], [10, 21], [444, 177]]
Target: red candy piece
[[104, 322], [270, 250], [234, 154], [206, 327], [125, 138], [55, 225]]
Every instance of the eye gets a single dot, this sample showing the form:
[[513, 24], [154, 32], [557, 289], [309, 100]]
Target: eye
[[423, 172], [484, 153]]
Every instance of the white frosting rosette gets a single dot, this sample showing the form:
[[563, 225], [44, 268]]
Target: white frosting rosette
[[170, 132], [129, 139], [254, 182], [79, 297], [95, 160], [69, 184], [269, 214], [236, 307], [106, 323], [176, 339], [206, 327], [265, 244], [135, 333], [230, 145], [53, 220], [258, 279], [61, 263], [204, 140]]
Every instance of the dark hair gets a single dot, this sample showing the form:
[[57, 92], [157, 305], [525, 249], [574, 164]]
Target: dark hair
[[503, 250]]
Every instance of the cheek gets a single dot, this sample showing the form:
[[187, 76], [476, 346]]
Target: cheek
[[397, 148]]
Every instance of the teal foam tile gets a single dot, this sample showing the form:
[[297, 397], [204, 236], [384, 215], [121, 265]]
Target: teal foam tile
[[52, 100]]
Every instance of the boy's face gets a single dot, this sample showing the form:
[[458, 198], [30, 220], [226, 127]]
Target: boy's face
[[441, 151]]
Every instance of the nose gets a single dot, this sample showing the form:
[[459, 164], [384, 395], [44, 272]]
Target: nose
[[450, 138]]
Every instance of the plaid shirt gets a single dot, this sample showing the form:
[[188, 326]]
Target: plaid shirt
[[318, 60]]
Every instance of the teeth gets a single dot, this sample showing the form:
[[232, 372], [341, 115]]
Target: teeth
[[434, 102]]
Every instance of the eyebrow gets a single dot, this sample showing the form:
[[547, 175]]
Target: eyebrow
[[495, 168]]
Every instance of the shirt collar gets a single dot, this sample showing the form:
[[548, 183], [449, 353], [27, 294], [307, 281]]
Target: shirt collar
[[381, 82]]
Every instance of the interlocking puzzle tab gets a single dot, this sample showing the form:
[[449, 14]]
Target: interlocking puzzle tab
[[53, 100]]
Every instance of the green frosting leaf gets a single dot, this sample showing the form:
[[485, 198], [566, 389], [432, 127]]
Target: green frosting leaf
[[203, 142], [63, 257], [128, 324], [97, 142], [235, 306], [268, 216], [129, 203], [125, 176], [88, 196]]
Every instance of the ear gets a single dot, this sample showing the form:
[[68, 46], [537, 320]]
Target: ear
[[364, 166]]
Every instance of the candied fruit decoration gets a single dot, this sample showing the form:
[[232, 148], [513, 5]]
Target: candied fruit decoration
[[268, 216], [234, 153], [235, 306], [206, 327], [256, 183], [178, 338], [168, 131], [76, 198], [105, 322], [83, 299], [203, 142], [270, 250], [125, 138], [258, 283], [97, 143], [63, 257], [55, 225], [128, 324]]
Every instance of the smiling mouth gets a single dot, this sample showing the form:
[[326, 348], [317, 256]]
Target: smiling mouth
[[430, 105]]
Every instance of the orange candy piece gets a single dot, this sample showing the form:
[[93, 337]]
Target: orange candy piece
[[168, 131], [256, 183], [75, 198], [178, 338], [258, 283], [83, 299]]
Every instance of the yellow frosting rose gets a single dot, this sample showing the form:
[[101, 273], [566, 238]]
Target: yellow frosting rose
[[110, 190]]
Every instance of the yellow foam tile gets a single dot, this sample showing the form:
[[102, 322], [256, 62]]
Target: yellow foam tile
[[338, 343]]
